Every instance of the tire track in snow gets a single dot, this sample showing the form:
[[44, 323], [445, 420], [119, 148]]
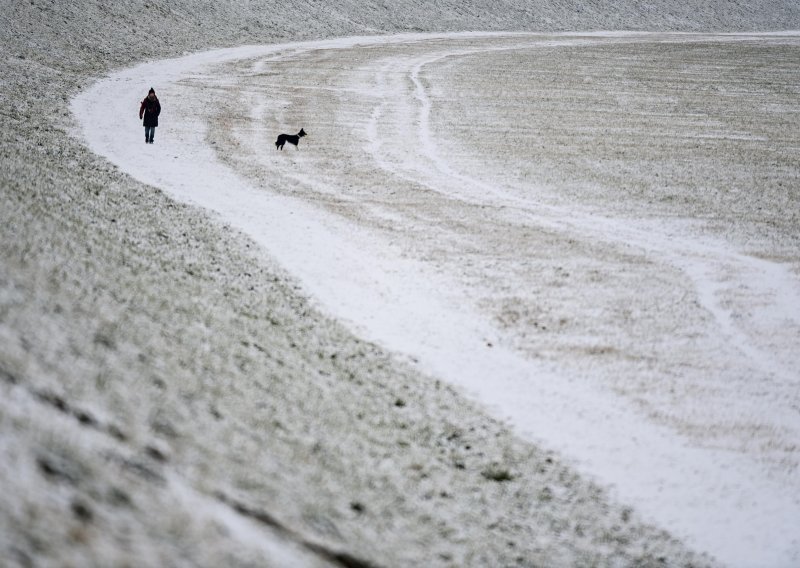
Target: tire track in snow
[[715, 269]]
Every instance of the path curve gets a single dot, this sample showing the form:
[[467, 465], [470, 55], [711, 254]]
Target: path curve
[[717, 500]]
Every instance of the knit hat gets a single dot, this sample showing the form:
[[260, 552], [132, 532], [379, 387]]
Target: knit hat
[[152, 90]]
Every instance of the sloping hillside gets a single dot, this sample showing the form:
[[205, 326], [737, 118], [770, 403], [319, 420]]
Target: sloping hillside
[[170, 397]]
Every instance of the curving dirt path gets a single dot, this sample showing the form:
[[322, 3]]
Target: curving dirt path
[[594, 235]]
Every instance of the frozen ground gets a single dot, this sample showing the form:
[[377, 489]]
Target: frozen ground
[[170, 396], [595, 235]]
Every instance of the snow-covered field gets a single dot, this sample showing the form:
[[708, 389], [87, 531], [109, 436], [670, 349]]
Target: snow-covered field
[[517, 299], [655, 344]]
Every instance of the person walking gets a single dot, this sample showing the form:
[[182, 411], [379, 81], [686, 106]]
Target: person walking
[[150, 110]]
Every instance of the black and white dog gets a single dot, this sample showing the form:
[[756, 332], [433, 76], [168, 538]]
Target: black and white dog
[[290, 138]]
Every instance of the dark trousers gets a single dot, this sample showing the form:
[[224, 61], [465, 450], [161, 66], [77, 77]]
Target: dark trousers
[[149, 132]]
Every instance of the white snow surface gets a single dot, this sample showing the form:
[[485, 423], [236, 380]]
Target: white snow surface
[[723, 502]]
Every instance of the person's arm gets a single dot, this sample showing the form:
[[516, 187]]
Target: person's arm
[[141, 109]]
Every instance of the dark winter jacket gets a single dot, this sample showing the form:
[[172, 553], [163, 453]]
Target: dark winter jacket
[[150, 110]]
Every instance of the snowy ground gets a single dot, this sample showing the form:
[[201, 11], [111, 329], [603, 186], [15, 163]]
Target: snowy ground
[[170, 396], [594, 235]]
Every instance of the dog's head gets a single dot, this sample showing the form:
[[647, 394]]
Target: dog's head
[[301, 133]]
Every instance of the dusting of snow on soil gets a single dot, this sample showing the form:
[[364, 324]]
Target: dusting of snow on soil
[[595, 235]]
